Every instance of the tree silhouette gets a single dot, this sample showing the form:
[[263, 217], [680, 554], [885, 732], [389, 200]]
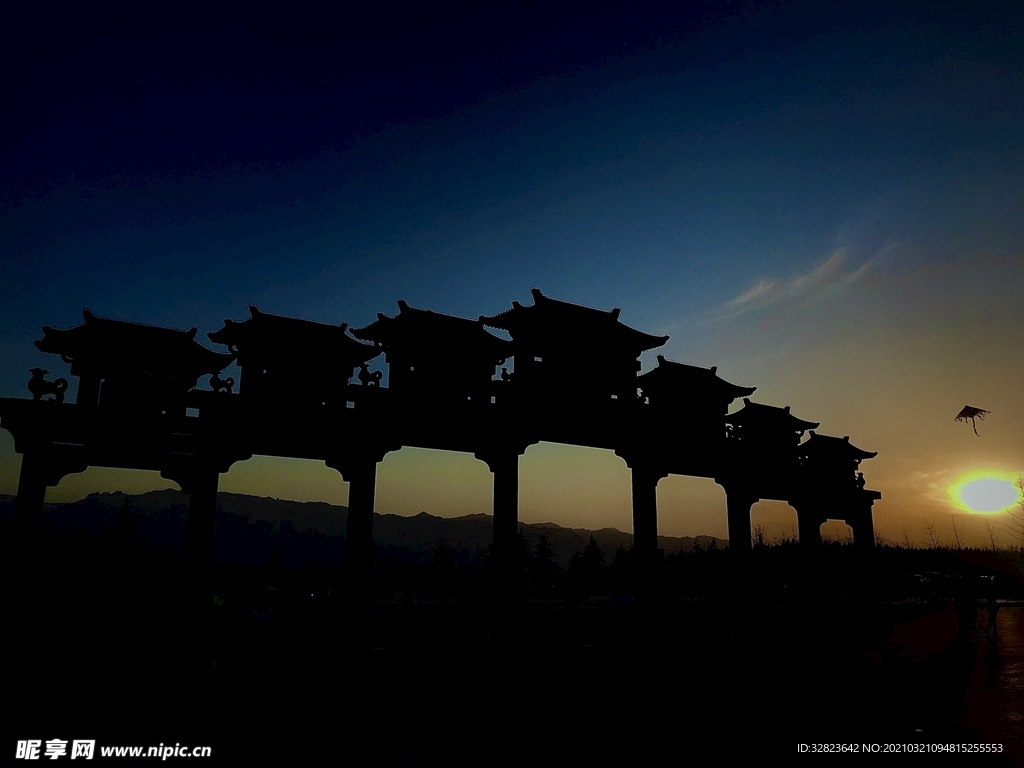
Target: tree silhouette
[[523, 552], [1015, 516], [544, 567], [587, 568], [622, 565], [124, 532], [442, 569]]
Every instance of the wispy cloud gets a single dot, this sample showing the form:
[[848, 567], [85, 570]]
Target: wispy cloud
[[827, 278], [764, 291]]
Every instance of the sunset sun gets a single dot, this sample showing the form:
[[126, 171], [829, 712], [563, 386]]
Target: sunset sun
[[985, 492]]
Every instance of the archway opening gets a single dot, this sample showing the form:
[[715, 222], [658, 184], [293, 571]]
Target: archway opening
[[273, 509], [575, 487], [440, 483], [286, 479], [108, 480], [94, 501], [773, 523], [692, 507], [836, 531]]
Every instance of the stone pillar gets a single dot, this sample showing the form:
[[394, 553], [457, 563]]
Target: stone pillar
[[860, 519], [505, 467], [738, 503], [29, 592], [503, 461], [88, 391], [809, 522], [41, 466], [199, 540], [645, 511], [359, 469], [361, 475], [863, 531], [202, 516], [28, 506], [199, 477]]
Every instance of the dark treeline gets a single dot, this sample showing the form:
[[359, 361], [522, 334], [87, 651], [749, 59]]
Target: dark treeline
[[796, 644], [267, 580]]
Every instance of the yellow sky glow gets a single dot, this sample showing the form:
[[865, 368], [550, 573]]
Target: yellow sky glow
[[984, 492]]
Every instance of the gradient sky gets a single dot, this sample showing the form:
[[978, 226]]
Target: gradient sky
[[824, 201]]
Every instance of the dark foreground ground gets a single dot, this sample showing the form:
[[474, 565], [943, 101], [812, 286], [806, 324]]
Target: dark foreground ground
[[103, 649]]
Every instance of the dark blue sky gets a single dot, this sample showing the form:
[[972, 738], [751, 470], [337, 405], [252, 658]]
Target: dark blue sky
[[714, 172]]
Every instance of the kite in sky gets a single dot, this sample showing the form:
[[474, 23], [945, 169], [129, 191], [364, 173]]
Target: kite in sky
[[970, 412]]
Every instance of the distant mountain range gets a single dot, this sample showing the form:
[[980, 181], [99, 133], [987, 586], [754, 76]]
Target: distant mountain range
[[250, 528]]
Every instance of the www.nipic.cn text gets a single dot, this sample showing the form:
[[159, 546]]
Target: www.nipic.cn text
[[85, 749]]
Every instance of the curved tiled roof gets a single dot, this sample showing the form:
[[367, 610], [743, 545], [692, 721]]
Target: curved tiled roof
[[828, 446], [289, 337], [768, 415], [671, 376], [111, 347], [552, 315], [428, 330]]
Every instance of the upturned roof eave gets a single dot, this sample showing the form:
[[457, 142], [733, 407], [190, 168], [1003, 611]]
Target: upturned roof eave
[[829, 444], [513, 319], [462, 330], [118, 338], [759, 412], [694, 377]]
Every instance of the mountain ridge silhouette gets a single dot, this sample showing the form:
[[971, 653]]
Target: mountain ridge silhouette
[[251, 528]]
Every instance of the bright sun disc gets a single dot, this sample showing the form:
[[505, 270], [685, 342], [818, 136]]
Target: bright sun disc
[[985, 494]]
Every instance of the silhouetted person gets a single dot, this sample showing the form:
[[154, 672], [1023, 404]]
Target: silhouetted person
[[992, 609]]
